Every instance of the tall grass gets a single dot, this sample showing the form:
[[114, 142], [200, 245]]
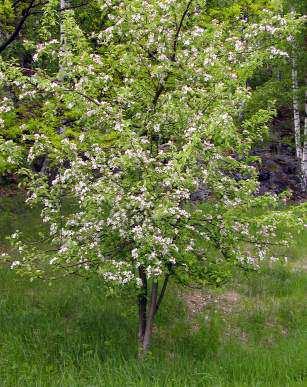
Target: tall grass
[[73, 333]]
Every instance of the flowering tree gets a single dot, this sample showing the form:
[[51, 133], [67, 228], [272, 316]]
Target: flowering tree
[[148, 135]]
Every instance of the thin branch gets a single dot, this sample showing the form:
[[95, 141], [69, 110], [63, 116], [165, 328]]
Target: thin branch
[[19, 26], [163, 290], [83, 95], [77, 264], [173, 57], [161, 86]]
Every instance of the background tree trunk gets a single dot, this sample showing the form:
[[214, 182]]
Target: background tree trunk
[[304, 163], [296, 111], [296, 119]]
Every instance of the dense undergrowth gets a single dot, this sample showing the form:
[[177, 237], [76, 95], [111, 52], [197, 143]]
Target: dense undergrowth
[[73, 333]]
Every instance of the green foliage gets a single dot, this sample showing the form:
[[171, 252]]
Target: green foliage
[[6, 13], [11, 156]]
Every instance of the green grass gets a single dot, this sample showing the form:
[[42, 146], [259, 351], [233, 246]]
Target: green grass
[[73, 333]]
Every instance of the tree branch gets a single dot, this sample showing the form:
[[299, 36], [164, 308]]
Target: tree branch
[[161, 86], [19, 26], [163, 290], [83, 95], [173, 57]]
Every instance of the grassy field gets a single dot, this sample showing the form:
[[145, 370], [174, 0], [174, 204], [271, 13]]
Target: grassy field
[[252, 332]]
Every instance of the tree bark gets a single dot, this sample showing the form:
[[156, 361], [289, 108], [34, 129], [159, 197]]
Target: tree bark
[[296, 111], [148, 311], [296, 120], [162, 293], [150, 318], [304, 161], [142, 302]]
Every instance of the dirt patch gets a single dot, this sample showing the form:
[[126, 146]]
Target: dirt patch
[[300, 265], [228, 301], [197, 301]]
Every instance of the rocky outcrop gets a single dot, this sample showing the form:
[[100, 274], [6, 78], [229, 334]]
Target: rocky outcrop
[[279, 168]]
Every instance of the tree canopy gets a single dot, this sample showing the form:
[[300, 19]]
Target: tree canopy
[[145, 117]]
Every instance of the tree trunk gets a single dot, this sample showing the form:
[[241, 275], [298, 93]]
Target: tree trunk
[[150, 318], [304, 162], [147, 316], [296, 119], [142, 301], [142, 317], [296, 111]]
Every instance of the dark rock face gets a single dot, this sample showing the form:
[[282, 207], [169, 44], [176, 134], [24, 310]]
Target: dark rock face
[[278, 172], [279, 169]]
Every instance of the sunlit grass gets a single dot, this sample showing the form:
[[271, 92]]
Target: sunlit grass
[[73, 333]]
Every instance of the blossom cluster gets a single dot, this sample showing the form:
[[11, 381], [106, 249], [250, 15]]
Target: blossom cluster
[[136, 131]]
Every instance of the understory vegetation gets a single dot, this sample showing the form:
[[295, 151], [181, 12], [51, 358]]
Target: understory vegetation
[[250, 332]]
